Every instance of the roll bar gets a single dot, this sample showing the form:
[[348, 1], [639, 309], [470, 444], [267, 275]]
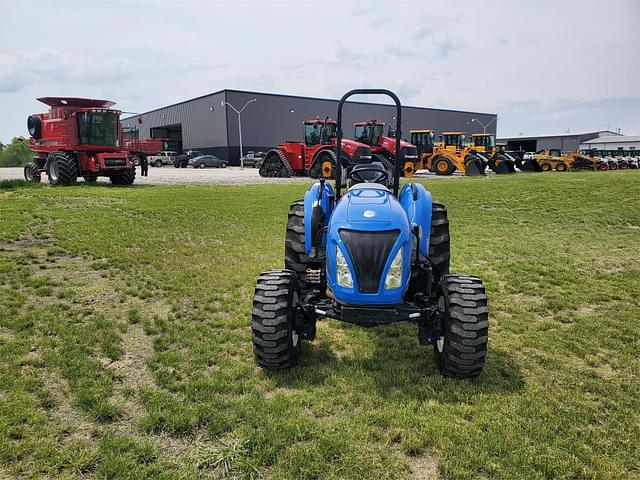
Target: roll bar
[[398, 135]]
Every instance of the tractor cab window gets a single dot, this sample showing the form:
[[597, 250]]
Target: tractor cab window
[[554, 152], [487, 141], [318, 133], [453, 140], [423, 141], [369, 134], [98, 128]]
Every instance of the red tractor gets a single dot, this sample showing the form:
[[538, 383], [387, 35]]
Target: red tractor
[[78, 137], [314, 157], [383, 148], [145, 147]]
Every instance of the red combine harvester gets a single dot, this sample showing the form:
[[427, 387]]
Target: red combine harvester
[[78, 137], [383, 148], [315, 156]]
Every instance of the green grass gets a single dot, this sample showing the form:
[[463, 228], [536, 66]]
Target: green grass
[[125, 345]]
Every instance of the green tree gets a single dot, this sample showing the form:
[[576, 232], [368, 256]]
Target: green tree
[[16, 154]]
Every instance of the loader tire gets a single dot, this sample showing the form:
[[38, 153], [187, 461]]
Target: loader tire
[[561, 167], [461, 350], [125, 178], [276, 343], [442, 166], [62, 169], [295, 258], [31, 172], [546, 167], [439, 242]]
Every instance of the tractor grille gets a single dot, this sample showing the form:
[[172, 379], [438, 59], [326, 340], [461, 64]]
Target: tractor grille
[[369, 252], [115, 162], [362, 155]]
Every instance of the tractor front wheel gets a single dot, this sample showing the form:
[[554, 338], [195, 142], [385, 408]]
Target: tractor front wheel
[[276, 343], [62, 169], [461, 349], [31, 172]]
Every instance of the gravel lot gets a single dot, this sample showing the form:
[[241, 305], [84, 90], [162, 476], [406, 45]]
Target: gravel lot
[[169, 175]]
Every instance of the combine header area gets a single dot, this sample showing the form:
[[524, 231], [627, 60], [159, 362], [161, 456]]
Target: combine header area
[[315, 156], [78, 137]]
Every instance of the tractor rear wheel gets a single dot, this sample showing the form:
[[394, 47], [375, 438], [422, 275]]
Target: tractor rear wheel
[[276, 342], [442, 166], [62, 169], [125, 178], [439, 242], [461, 350], [31, 172], [295, 257]]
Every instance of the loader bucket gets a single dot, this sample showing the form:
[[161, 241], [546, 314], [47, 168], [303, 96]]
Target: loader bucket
[[502, 165], [530, 165], [474, 167]]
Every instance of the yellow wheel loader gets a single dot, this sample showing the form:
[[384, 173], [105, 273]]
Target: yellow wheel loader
[[448, 155]]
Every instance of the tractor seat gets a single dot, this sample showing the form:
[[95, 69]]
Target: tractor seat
[[368, 175]]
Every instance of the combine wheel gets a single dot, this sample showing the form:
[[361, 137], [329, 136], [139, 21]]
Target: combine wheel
[[31, 173], [62, 169], [461, 349], [276, 342], [442, 166], [561, 167], [125, 178]]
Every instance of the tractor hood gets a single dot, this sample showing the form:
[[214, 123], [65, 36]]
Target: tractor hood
[[368, 227], [389, 144], [356, 149]]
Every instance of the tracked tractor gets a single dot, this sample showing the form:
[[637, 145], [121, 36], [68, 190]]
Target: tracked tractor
[[448, 154], [370, 256], [315, 155], [383, 147], [78, 137], [499, 161]]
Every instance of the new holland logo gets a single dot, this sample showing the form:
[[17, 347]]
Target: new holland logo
[[369, 214]]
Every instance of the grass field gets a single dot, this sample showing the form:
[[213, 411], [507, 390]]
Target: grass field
[[125, 345]]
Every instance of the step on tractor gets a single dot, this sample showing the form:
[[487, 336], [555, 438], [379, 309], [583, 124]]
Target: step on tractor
[[447, 155], [315, 155], [383, 147], [370, 256], [78, 137], [498, 160]]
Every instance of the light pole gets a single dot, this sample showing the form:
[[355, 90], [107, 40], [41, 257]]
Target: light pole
[[484, 127], [223, 103]]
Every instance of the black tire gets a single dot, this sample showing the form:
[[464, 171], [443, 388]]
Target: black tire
[[561, 167], [442, 166], [439, 243], [461, 350], [276, 343], [295, 258], [31, 172], [157, 163], [135, 159], [324, 156], [202, 165], [125, 178], [224, 165], [176, 165], [90, 178], [545, 167], [62, 169]]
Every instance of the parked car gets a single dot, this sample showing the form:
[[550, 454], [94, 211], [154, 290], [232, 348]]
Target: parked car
[[181, 161], [165, 157], [204, 161], [252, 159]]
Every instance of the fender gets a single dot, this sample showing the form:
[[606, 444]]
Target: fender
[[314, 197], [345, 159], [417, 203]]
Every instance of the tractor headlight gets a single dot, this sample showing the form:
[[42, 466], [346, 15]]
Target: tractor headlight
[[343, 274], [394, 275]]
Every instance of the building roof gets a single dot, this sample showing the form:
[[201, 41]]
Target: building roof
[[559, 135], [300, 97], [615, 139]]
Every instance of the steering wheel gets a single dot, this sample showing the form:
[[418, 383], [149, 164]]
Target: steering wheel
[[380, 176]]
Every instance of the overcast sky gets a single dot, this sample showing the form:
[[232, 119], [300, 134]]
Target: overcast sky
[[542, 66]]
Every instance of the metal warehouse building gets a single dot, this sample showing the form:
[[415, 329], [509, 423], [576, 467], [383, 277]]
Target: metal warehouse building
[[620, 143], [206, 123], [569, 142]]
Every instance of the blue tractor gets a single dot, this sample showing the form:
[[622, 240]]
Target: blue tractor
[[372, 255]]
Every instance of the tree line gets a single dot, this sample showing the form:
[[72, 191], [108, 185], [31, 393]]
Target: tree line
[[15, 154]]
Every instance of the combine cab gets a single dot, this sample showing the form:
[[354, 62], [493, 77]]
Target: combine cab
[[315, 157], [78, 137], [383, 148], [498, 160]]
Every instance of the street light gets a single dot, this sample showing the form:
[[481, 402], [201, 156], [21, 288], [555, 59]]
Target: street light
[[484, 127], [222, 104]]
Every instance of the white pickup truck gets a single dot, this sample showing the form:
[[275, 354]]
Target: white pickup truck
[[163, 158]]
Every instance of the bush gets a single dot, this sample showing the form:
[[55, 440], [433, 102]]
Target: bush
[[16, 154]]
